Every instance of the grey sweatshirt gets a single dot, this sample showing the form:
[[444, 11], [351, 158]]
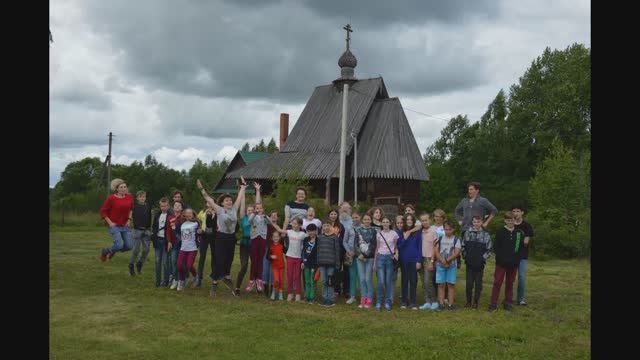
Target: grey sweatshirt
[[466, 209]]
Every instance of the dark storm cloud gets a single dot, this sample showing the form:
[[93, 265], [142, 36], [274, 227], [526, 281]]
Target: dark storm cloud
[[281, 50], [379, 13]]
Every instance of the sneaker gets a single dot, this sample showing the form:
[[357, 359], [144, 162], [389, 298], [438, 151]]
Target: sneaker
[[467, 305], [522, 303], [434, 305], [475, 306], [387, 307], [298, 298], [110, 255], [139, 267], [403, 306], [437, 307], [362, 302], [180, 285], [170, 281], [414, 307], [273, 295], [197, 283], [131, 272], [174, 284], [331, 303], [289, 297], [492, 307], [508, 307], [426, 306], [367, 303], [235, 292], [250, 286], [281, 296], [260, 286], [228, 283], [267, 290], [103, 255], [351, 300], [378, 306], [450, 308], [214, 290]]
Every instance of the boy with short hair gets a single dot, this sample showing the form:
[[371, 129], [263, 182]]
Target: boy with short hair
[[160, 235], [141, 215], [520, 223], [329, 247], [509, 246], [476, 249], [310, 262]]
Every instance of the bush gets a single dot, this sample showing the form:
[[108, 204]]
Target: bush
[[559, 239]]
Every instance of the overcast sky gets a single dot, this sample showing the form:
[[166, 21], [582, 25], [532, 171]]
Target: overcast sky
[[197, 79]]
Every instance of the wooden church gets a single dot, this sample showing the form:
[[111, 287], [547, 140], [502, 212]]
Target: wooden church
[[380, 144]]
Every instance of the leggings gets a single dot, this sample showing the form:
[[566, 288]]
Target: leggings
[[225, 246], [257, 251], [293, 275], [185, 263]]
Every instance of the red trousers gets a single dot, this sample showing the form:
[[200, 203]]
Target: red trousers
[[293, 275], [498, 277], [185, 263], [256, 252], [276, 278]]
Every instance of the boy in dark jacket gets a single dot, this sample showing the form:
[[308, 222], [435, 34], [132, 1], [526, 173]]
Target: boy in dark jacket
[[141, 215], [509, 247], [310, 262], [476, 249], [160, 234], [329, 247]]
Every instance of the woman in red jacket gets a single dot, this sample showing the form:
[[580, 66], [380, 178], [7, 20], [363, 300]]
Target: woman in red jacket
[[116, 211]]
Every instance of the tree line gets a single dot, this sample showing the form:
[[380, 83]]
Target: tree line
[[532, 146]]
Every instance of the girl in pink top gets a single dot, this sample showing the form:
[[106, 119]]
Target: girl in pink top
[[386, 251]]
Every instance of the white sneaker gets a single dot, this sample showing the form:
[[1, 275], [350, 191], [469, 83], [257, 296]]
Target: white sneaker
[[180, 285], [351, 300], [174, 284], [273, 295]]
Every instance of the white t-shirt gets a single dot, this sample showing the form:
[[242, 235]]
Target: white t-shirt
[[227, 219], [296, 239], [306, 222], [162, 220], [188, 231]]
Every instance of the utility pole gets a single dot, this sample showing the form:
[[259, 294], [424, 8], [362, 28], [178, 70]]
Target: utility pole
[[355, 169], [109, 165]]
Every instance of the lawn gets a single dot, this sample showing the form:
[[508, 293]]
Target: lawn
[[98, 311]]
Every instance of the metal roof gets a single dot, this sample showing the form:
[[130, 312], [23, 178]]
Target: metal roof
[[251, 156]]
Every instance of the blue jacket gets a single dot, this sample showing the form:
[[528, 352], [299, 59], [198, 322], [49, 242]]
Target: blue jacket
[[411, 248]]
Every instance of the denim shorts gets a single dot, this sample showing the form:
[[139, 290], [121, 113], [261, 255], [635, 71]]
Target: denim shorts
[[446, 274]]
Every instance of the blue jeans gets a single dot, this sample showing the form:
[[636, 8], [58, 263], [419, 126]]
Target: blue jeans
[[522, 276], [161, 258], [327, 291], [366, 283], [266, 269], [121, 238], [353, 279], [386, 278], [171, 265], [140, 240]]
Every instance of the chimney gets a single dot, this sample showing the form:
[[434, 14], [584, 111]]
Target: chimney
[[284, 128]]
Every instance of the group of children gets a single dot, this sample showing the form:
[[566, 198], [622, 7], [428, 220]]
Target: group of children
[[312, 250]]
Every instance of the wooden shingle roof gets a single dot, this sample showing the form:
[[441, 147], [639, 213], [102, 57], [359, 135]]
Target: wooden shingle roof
[[312, 149]]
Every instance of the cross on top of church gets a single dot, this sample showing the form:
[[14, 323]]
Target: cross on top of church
[[348, 29]]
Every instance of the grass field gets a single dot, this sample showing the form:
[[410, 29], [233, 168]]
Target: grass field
[[98, 311]]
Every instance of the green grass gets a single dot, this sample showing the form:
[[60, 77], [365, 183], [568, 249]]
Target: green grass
[[97, 311]]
